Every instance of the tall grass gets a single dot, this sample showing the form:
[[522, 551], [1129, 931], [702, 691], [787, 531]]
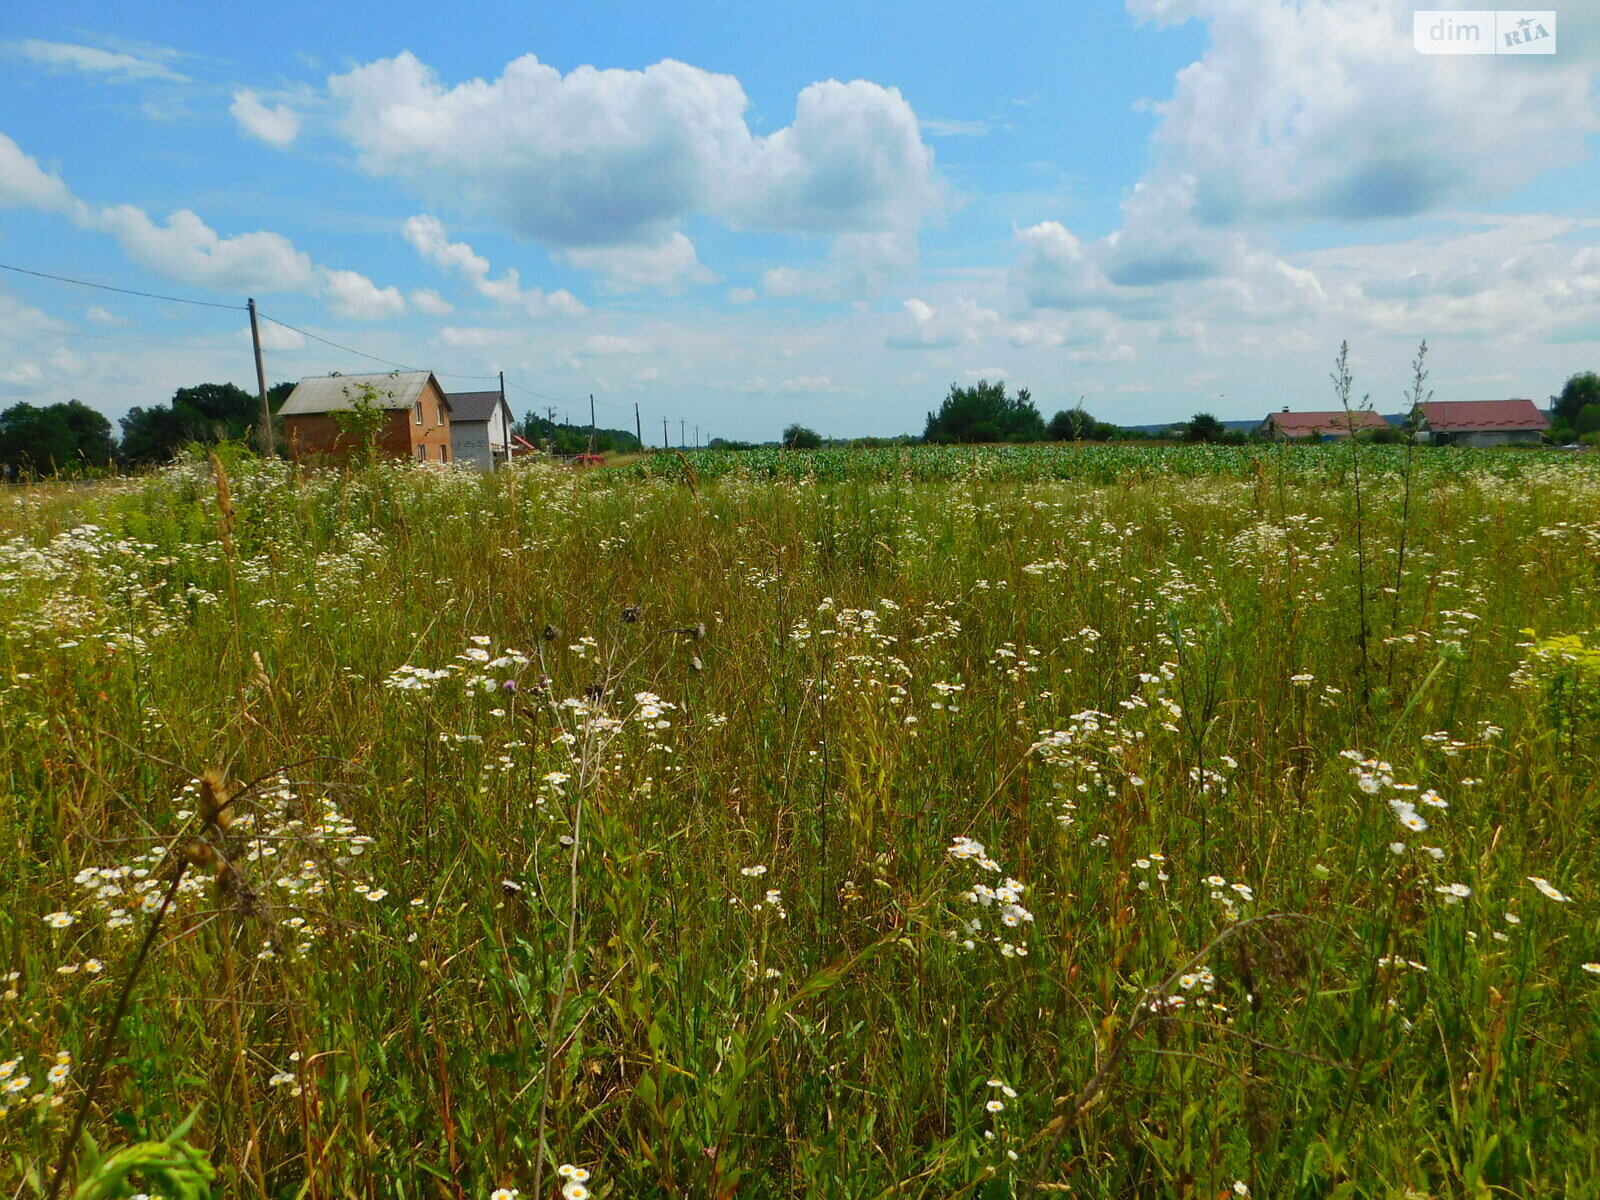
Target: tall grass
[[856, 831]]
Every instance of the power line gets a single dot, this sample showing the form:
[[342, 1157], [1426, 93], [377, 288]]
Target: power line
[[540, 395], [105, 287], [361, 353], [358, 353]]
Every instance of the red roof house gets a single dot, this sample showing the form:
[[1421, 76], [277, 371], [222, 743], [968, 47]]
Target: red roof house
[[1333, 425], [1479, 422]]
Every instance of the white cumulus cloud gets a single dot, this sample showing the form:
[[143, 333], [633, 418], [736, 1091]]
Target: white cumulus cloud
[[188, 249], [24, 184], [669, 265], [618, 157], [1325, 110], [426, 300], [354, 295], [427, 236], [276, 126]]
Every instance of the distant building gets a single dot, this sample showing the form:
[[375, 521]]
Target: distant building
[[416, 416], [1332, 425], [1479, 422], [480, 428]]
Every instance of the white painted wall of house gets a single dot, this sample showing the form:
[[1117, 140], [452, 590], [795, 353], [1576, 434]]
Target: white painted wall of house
[[478, 442], [470, 440]]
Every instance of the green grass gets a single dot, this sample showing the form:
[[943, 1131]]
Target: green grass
[[1121, 670]]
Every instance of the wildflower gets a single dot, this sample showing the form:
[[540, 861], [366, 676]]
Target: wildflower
[[995, 1106], [1240, 1188], [17, 1083], [1592, 967], [59, 1072], [281, 1078], [504, 1194], [754, 872], [377, 894], [1453, 893], [9, 1067], [1545, 886], [60, 920], [1397, 847], [573, 1190]]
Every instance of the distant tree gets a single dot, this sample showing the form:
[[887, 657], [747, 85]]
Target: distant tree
[[151, 435], [1581, 390], [984, 413], [572, 439], [278, 393], [1588, 420], [1387, 435], [206, 413], [1076, 425], [1203, 427], [55, 437], [798, 437]]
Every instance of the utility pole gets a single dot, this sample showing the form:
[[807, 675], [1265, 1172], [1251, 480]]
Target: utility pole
[[264, 434], [697, 437], [509, 453], [683, 436], [638, 429], [665, 440], [591, 422]]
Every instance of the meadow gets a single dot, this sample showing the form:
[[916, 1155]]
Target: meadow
[[1086, 821]]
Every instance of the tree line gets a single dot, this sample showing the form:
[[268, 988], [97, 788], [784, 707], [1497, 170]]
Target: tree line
[[984, 413], [71, 436]]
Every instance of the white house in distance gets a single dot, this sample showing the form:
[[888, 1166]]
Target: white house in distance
[[480, 428]]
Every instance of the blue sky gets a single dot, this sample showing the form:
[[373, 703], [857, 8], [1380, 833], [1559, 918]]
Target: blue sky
[[742, 215]]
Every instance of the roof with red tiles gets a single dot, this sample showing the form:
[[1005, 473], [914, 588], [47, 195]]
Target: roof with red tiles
[[1335, 421], [1482, 416]]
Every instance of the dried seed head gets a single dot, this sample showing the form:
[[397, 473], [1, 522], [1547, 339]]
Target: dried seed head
[[696, 664], [215, 797], [631, 614], [697, 630], [551, 633], [196, 852]]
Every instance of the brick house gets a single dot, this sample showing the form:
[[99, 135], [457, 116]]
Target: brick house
[[1332, 425], [1479, 422], [415, 408]]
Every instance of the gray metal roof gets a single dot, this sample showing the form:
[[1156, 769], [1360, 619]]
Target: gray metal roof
[[325, 393], [473, 406]]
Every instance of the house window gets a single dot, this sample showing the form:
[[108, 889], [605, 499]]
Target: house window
[[444, 453], [441, 414], [422, 454], [419, 412]]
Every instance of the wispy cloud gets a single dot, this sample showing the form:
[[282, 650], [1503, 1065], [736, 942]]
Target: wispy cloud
[[114, 66], [942, 127]]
